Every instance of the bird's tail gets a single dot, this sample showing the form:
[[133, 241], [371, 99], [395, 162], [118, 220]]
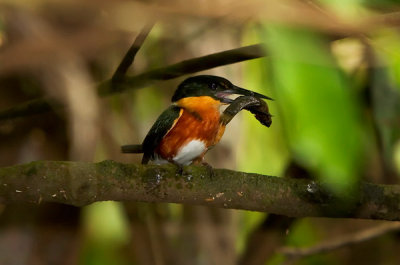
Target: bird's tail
[[132, 148]]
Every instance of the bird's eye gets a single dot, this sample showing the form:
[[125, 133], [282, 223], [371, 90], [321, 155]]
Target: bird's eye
[[213, 86]]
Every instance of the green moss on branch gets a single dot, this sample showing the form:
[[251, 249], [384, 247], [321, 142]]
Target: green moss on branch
[[79, 183]]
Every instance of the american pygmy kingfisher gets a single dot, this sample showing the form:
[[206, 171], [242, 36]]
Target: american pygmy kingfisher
[[193, 124]]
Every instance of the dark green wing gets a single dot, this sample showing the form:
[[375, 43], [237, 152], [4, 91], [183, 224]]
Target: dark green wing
[[161, 127]]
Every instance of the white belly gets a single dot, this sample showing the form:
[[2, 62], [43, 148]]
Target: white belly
[[189, 152]]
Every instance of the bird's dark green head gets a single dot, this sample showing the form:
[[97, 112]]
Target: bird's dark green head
[[213, 86]]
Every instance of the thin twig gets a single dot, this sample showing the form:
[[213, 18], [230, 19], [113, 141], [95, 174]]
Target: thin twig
[[32, 107], [341, 242], [131, 53]]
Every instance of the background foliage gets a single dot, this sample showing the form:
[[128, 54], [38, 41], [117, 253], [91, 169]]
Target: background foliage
[[333, 68]]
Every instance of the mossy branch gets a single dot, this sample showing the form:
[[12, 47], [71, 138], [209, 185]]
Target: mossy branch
[[79, 183]]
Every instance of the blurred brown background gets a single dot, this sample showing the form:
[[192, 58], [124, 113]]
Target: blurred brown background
[[332, 66]]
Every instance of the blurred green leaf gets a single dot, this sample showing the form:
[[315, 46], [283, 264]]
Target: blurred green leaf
[[319, 111], [384, 73], [304, 233], [387, 43], [106, 221], [261, 149], [389, 4], [397, 156], [277, 259], [344, 8], [107, 231], [248, 222], [386, 112]]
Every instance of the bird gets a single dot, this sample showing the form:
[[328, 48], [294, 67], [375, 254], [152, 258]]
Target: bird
[[192, 124]]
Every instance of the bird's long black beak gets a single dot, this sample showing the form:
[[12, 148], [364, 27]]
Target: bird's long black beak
[[239, 91]]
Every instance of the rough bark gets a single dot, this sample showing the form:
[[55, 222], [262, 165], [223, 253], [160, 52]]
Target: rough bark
[[79, 183]]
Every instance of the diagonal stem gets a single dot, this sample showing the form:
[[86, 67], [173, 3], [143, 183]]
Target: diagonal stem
[[131, 53], [183, 68], [344, 241]]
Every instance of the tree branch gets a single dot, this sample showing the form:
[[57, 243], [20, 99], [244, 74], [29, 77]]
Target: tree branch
[[79, 183], [32, 107], [131, 53], [183, 68], [109, 87]]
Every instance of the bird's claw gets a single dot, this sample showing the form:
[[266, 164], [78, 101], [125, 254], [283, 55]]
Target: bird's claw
[[210, 169]]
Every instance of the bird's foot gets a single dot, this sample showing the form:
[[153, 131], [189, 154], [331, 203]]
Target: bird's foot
[[182, 172], [210, 169], [179, 171]]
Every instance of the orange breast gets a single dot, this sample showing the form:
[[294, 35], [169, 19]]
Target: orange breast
[[199, 121]]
